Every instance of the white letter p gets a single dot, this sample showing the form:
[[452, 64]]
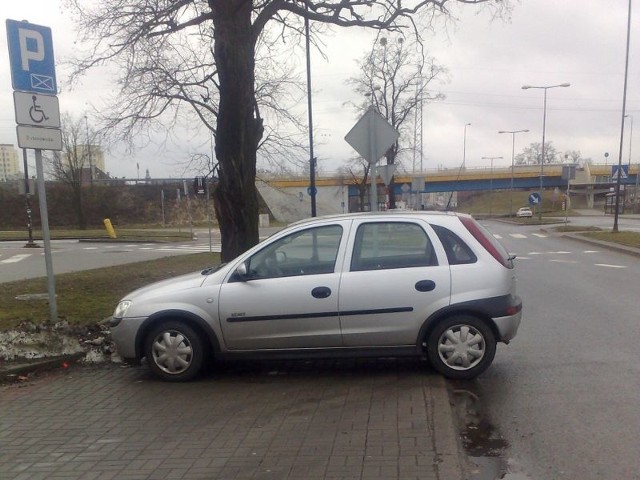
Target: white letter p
[[25, 53]]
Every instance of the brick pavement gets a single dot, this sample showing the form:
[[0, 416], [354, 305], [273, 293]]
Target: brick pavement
[[374, 419]]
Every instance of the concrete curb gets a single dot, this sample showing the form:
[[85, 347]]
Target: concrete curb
[[18, 368], [608, 245], [445, 436]]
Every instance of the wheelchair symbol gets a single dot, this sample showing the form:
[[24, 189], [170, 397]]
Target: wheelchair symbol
[[36, 113]]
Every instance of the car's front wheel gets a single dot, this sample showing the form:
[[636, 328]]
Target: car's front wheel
[[174, 351], [461, 347]]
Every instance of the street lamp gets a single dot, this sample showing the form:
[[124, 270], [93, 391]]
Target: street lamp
[[513, 151], [464, 145], [491, 182], [630, 138], [544, 126]]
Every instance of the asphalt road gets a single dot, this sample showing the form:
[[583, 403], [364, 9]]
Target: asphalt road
[[20, 263], [562, 400]]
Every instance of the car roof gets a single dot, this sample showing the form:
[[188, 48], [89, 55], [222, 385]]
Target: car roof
[[423, 214]]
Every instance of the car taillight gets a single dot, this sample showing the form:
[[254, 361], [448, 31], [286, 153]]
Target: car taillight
[[487, 240]]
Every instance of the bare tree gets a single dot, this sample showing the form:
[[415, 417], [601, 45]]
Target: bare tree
[[71, 165], [205, 54], [532, 154], [395, 78], [358, 170]]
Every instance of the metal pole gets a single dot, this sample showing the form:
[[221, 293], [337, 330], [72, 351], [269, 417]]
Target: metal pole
[[513, 156], [30, 243], [464, 146], [544, 126], [374, 184], [624, 106], [44, 219], [630, 140], [491, 182], [312, 160]]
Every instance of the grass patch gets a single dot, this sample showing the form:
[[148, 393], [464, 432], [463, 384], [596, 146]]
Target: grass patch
[[576, 228], [129, 234], [86, 297], [631, 239]]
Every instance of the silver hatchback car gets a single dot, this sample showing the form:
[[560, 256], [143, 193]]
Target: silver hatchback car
[[376, 284]]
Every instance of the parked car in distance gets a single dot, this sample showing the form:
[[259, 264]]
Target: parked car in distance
[[524, 212], [400, 283]]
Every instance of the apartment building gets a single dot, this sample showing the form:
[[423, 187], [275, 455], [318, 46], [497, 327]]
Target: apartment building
[[9, 165]]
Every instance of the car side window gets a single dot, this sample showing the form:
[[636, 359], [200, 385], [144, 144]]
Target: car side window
[[307, 252], [458, 252], [384, 245]]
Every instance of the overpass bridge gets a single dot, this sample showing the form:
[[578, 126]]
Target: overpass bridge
[[289, 199]]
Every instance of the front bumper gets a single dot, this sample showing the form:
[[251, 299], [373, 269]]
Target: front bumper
[[124, 335]]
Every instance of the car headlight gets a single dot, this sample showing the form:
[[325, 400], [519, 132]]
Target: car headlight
[[121, 309]]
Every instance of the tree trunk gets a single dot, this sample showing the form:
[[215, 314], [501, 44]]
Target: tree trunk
[[238, 128]]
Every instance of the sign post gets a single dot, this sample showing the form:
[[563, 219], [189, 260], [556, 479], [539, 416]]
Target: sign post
[[33, 77], [371, 137]]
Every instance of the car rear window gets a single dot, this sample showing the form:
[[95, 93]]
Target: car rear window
[[458, 252]]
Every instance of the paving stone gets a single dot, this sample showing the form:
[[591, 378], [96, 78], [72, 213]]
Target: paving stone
[[324, 420]]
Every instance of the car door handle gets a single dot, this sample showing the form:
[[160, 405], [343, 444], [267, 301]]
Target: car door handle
[[425, 285], [321, 292]]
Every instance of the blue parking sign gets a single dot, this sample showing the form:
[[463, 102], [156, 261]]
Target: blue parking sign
[[33, 67]]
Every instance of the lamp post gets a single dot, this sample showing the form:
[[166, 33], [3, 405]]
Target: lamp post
[[491, 182], [464, 145], [630, 138], [312, 159], [513, 152], [544, 126]]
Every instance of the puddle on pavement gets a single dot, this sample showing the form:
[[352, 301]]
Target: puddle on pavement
[[486, 449]]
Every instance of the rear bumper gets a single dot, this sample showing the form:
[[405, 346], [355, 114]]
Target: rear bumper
[[508, 325]]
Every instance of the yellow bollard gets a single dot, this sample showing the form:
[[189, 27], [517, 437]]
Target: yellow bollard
[[109, 227]]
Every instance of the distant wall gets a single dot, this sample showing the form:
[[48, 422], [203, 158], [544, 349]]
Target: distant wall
[[289, 204]]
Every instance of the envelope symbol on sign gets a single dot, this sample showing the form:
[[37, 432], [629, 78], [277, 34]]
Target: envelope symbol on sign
[[43, 82]]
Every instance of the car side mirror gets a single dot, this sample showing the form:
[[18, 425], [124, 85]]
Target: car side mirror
[[242, 271]]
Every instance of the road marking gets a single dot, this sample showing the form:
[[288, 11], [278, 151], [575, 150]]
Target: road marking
[[495, 235], [16, 258], [558, 253], [517, 235], [194, 249], [591, 251], [609, 266], [90, 248], [539, 235], [556, 260], [535, 253]]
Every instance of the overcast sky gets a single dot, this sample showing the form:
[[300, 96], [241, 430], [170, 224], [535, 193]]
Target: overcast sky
[[547, 42]]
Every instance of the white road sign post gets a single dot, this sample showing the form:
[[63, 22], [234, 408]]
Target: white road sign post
[[371, 137], [33, 77]]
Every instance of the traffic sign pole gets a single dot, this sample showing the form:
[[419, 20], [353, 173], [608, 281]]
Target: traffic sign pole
[[372, 165], [33, 73], [46, 238]]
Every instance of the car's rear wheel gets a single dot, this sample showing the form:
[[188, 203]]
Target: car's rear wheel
[[174, 351], [461, 347]]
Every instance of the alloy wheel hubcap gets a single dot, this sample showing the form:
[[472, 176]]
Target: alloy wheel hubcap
[[461, 347], [172, 352]]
